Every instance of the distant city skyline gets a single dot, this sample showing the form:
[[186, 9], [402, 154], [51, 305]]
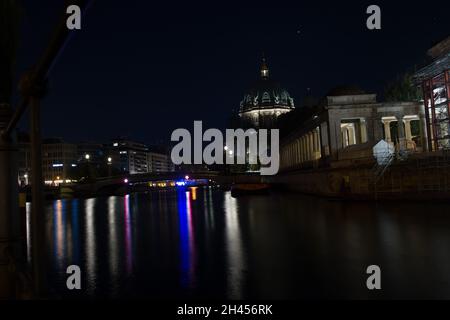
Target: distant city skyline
[[142, 71]]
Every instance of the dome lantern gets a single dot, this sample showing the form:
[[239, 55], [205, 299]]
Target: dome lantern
[[264, 102], [264, 69]]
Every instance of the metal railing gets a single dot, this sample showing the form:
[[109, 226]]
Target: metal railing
[[380, 168], [32, 89]]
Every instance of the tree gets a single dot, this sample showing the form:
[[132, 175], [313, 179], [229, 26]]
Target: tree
[[402, 89]]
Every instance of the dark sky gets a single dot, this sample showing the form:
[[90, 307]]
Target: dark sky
[[144, 68]]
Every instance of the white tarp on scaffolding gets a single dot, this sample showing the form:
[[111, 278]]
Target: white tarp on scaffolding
[[383, 151]]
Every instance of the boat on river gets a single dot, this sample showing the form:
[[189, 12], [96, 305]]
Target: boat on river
[[243, 189]]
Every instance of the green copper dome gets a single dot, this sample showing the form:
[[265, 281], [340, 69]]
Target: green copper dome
[[266, 94]]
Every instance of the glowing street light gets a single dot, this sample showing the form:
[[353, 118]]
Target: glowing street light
[[109, 160], [87, 156], [186, 177], [226, 148]]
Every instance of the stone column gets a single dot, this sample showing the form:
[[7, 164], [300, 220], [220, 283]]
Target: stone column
[[377, 130], [423, 132], [344, 135], [314, 144], [285, 157], [306, 147], [387, 130], [318, 147], [300, 149], [352, 138], [295, 151], [335, 142], [401, 132], [408, 133], [363, 129], [9, 202], [302, 140], [357, 132], [289, 156], [294, 154]]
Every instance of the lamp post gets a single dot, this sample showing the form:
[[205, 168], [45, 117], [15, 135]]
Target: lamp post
[[37, 203], [8, 208], [228, 153], [109, 166], [32, 88], [9, 224]]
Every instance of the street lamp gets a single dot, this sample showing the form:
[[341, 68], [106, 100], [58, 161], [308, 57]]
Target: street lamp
[[87, 156], [109, 166]]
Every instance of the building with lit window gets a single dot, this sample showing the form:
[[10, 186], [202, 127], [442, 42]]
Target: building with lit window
[[131, 156], [434, 79], [159, 162], [58, 159]]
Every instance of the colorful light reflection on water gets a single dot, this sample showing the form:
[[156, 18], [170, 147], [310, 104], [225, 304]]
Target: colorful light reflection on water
[[204, 243]]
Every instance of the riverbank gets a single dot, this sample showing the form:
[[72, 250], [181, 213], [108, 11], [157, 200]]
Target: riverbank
[[415, 178]]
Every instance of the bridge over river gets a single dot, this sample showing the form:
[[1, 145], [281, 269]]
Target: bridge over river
[[138, 182]]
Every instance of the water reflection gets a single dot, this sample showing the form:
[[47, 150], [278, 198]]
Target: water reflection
[[28, 219], [90, 246], [75, 234], [194, 193], [235, 255], [113, 243], [59, 234], [205, 243], [128, 239], [187, 249]]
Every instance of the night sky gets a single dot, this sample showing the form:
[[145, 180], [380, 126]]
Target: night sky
[[143, 68]]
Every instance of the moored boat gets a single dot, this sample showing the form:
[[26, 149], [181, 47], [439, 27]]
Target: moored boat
[[242, 189]]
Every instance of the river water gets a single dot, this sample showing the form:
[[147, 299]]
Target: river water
[[203, 243]]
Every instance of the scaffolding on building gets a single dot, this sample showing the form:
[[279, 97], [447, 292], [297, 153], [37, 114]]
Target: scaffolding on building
[[429, 174]]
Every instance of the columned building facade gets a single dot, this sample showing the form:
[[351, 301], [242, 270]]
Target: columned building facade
[[349, 125]]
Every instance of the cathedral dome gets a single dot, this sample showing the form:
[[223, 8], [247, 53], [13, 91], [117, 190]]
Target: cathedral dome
[[266, 94]]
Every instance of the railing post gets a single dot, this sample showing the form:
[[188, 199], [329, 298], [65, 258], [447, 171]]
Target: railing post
[[37, 210], [8, 209]]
